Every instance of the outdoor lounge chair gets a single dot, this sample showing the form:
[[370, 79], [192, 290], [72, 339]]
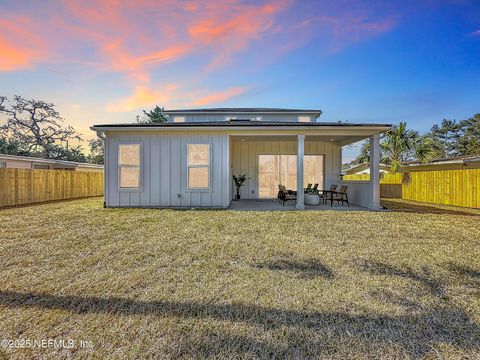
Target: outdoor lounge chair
[[341, 195], [311, 189], [285, 195], [326, 195]]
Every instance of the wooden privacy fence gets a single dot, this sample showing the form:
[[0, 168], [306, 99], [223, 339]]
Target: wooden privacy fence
[[390, 184], [449, 187], [25, 186]]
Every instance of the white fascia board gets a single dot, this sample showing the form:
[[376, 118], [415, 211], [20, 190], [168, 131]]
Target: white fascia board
[[312, 130]]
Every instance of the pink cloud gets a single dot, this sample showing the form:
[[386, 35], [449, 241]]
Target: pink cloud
[[135, 39], [144, 97], [231, 34], [219, 97], [353, 28], [19, 48]]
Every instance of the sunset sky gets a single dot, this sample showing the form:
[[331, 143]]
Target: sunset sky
[[379, 61]]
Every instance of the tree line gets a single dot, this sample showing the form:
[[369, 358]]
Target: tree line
[[34, 128], [449, 139]]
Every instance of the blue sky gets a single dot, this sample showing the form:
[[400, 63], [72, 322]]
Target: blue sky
[[358, 61]]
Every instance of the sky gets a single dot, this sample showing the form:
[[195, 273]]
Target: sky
[[357, 61]]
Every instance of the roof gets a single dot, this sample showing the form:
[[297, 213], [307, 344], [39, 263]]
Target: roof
[[243, 110], [49, 161], [448, 160], [239, 124], [363, 166]]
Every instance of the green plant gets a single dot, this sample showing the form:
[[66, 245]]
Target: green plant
[[155, 116], [239, 180]]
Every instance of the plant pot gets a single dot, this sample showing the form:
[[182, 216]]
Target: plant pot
[[237, 197]]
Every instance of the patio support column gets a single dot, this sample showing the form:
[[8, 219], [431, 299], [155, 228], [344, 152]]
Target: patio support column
[[300, 153], [375, 172]]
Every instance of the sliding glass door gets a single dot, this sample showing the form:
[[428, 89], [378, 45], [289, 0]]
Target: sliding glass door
[[274, 170], [282, 169], [313, 167]]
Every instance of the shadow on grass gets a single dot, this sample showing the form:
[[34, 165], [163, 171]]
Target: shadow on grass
[[311, 332], [466, 272], [424, 277], [307, 269], [422, 208]]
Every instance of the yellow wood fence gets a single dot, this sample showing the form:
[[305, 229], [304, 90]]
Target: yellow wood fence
[[25, 186], [449, 187]]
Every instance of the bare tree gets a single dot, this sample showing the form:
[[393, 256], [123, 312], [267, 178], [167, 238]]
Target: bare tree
[[35, 124]]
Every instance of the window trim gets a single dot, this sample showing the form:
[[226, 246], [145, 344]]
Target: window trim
[[141, 167], [209, 188]]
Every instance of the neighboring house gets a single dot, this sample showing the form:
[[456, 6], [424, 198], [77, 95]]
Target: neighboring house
[[26, 162], [364, 168], [451, 163], [189, 161]]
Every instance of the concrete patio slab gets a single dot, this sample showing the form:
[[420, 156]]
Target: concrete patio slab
[[274, 205]]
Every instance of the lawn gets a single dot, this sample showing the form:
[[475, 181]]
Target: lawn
[[139, 283]]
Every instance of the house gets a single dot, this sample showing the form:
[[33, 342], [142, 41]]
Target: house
[[26, 162], [364, 168], [189, 161], [450, 163]]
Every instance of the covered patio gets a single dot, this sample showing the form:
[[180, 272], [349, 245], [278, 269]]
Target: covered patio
[[298, 157]]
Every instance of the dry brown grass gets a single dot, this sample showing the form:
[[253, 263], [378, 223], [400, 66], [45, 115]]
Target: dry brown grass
[[144, 283]]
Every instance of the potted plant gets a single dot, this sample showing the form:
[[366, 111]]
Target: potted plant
[[239, 180]]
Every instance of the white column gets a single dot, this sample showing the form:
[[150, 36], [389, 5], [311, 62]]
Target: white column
[[300, 153], [375, 172]]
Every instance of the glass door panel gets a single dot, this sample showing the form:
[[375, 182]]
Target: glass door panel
[[313, 166], [282, 169]]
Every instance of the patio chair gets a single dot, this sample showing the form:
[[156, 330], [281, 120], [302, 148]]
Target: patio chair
[[315, 188], [285, 195], [341, 195], [325, 195], [308, 188]]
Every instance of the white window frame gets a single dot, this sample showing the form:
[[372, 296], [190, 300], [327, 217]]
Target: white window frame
[[209, 188], [3, 164], [140, 183], [179, 119]]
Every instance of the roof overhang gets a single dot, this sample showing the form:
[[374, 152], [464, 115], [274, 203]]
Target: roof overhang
[[363, 166], [462, 161], [342, 133], [244, 126], [72, 164]]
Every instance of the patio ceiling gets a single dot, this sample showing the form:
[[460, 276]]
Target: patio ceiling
[[339, 139]]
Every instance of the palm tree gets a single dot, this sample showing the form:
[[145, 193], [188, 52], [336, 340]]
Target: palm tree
[[399, 145]]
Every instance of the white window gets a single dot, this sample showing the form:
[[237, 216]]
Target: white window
[[304, 119], [3, 164], [129, 166], [198, 166]]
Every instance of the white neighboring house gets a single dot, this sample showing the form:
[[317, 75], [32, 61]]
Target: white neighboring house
[[189, 161], [364, 168], [27, 162]]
